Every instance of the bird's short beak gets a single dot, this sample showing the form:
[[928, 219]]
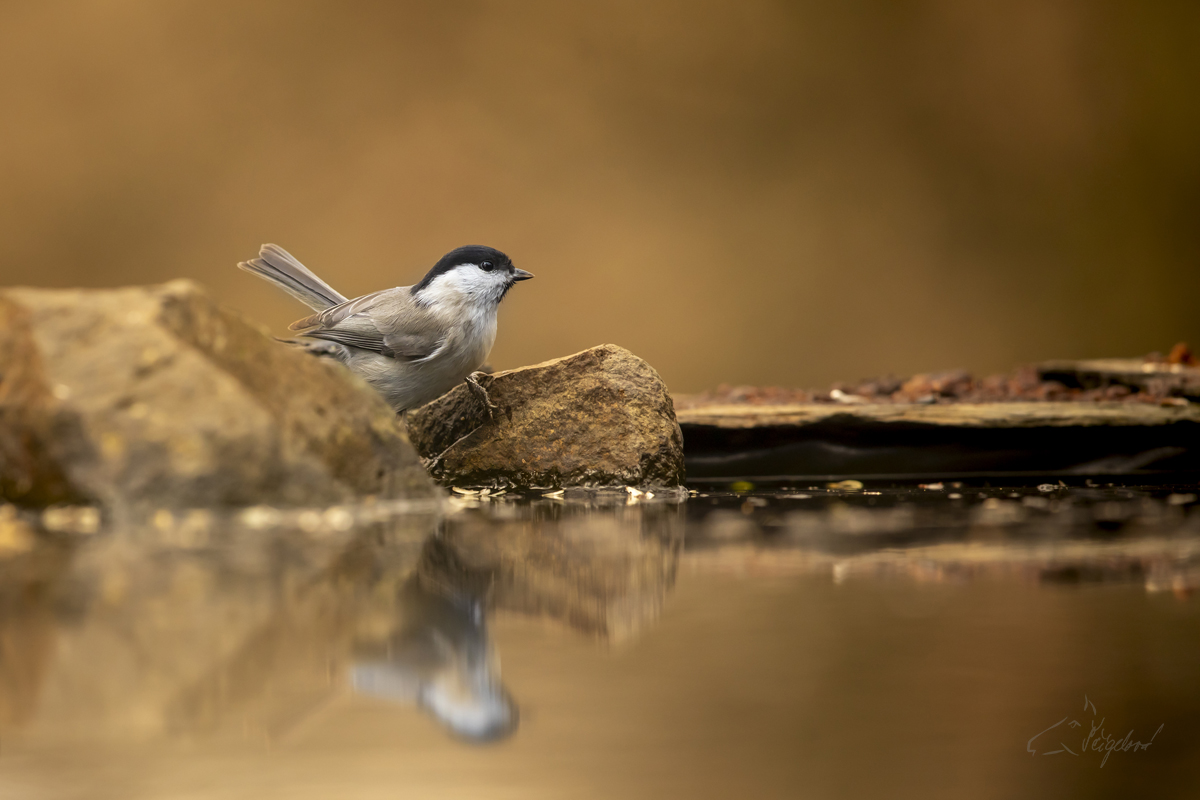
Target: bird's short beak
[[521, 275]]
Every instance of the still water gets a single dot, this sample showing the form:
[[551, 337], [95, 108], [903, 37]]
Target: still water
[[783, 641]]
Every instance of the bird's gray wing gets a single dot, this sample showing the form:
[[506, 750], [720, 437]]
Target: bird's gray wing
[[407, 347], [412, 346], [333, 315], [364, 340], [386, 322]]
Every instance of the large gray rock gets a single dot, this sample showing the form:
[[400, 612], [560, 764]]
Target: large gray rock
[[602, 417], [156, 396]]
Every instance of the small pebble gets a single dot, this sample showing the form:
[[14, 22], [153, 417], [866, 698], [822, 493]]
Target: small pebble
[[259, 517], [339, 518]]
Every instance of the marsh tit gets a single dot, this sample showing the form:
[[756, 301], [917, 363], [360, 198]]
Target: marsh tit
[[412, 343]]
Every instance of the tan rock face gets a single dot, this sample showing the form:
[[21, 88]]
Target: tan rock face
[[602, 417], [158, 397]]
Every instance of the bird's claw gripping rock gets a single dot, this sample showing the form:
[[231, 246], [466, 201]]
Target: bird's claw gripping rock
[[476, 387]]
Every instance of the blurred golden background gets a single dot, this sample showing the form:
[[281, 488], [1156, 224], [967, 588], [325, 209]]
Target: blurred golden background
[[748, 192]]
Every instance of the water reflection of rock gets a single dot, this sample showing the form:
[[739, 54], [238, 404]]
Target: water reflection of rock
[[248, 633], [244, 632], [27, 585], [600, 566], [597, 564], [1052, 533], [297, 661]]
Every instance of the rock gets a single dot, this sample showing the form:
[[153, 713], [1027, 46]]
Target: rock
[[157, 397], [601, 417], [818, 440], [1179, 378]]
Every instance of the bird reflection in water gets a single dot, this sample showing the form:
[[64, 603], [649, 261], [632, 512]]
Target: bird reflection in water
[[440, 658]]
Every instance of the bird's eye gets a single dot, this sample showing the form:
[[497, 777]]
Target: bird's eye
[[487, 266]]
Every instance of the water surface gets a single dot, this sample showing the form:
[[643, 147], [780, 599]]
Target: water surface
[[786, 641]]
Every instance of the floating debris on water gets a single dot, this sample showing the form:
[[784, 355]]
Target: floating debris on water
[[259, 517], [84, 520], [339, 518], [838, 396]]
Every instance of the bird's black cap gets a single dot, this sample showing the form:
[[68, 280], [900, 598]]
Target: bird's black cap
[[468, 254]]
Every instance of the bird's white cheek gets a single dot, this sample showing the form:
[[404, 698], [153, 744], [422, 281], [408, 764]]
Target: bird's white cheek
[[484, 285], [465, 285]]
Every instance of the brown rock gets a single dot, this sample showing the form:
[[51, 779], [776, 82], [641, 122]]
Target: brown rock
[[156, 396], [601, 417]]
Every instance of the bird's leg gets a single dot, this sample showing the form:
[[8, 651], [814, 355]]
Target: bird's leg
[[472, 381], [434, 465]]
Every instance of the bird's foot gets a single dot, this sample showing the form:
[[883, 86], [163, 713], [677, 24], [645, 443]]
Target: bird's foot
[[472, 381], [436, 464]]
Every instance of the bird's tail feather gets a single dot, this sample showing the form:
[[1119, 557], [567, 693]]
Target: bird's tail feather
[[279, 267]]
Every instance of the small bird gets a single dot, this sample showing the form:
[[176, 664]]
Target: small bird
[[412, 343]]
